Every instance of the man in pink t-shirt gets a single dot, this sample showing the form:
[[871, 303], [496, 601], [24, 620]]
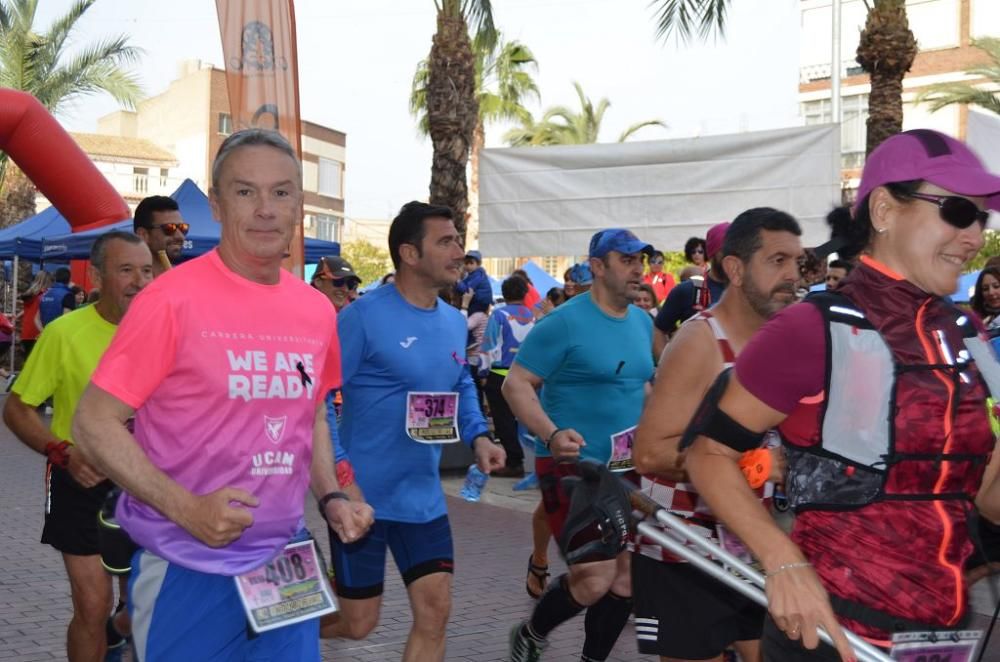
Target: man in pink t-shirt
[[230, 427]]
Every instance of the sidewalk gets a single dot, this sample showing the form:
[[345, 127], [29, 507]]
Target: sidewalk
[[492, 545], [492, 540]]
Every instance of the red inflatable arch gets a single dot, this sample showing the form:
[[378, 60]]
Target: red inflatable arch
[[50, 158]]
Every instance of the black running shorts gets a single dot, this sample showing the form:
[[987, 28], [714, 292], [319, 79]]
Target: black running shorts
[[683, 613], [71, 512]]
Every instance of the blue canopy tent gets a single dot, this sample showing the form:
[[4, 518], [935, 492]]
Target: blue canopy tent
[[25, 239], [966, 287], [540, 278], [203, 236]]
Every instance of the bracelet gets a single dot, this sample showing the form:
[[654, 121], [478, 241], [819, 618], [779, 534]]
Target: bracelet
[[327, 498], [788, 566], [57, 453], [552, 436]]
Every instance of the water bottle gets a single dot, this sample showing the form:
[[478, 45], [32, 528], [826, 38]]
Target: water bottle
[[475, 481], [529, 482]]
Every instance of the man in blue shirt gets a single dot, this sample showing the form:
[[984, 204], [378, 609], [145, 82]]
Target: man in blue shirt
[[407, 390], [591, 360], [57, 300]]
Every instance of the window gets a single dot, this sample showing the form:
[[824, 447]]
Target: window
[[329, 178], [327, 227], [985, 18], [853, 127], [225, 124], [140, 180], [164, 177], [551, 265], [499, 266]]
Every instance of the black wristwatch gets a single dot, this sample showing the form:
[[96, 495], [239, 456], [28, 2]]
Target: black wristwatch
[[327, 498]]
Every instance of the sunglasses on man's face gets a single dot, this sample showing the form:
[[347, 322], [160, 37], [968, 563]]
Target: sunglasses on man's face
[[170, 228], [699, 250], [656, 260], [954, 210]]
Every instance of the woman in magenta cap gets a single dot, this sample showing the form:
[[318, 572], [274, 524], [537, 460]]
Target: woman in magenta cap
[[879, 392]]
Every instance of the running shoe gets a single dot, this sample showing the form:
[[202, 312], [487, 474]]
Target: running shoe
[[524, 648]]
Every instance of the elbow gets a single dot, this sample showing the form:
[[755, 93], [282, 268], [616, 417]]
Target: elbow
[[642, 459]]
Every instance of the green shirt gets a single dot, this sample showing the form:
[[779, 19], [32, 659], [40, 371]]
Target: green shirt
[[61, 363]]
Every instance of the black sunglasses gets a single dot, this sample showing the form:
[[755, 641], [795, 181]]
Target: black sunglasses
[[954, 210]]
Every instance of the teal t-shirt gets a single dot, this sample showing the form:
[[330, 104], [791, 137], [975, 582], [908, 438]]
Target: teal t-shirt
[[595, 368]]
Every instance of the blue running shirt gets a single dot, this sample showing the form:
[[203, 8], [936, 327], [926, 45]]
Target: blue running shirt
[[388, 348]]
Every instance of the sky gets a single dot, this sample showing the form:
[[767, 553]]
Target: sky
[[357, 58]]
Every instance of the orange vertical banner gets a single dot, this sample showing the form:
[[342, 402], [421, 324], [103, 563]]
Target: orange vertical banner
[[262, 77]]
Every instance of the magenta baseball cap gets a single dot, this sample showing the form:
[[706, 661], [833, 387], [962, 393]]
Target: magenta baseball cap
[[714, 238], [933, 157]]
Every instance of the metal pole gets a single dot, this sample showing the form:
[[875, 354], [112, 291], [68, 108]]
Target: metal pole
[[13, 313], [835, 66], [866, 652]]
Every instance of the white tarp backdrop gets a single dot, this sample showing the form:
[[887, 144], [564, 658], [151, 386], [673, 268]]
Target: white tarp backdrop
[[982, 134], [550, 200]]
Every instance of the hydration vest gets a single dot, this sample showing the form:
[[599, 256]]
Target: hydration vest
[[891, 427]]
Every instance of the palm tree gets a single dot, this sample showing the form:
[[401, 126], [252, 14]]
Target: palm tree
[[945, 94], [885, 51], [452, 107], [562, 126], [37, 62], [503, 83]]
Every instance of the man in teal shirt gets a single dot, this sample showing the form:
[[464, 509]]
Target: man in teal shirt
[[592, 360]]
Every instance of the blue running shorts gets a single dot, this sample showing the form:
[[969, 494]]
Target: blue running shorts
[[418, 550], [181, 614]]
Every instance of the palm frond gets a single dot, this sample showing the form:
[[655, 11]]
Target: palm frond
[[479, 17], [686, 18], [941, 95], [418, 97], [947, 94], [628, 132]]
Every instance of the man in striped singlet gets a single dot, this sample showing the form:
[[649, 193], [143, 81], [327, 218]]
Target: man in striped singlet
[[681, 613]]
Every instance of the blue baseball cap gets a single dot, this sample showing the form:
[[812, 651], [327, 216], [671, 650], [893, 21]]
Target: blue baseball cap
[[617, 239], [581, 274], [474, 255]]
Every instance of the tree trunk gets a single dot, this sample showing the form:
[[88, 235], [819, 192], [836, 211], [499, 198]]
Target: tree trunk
[[17, 201], [886, 51], [478, 142], [452, 112]]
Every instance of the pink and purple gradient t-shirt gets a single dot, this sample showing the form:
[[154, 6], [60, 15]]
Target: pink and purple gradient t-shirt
[[225, 375]]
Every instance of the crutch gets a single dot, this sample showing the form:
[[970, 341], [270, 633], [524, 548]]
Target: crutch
[[753, 584]]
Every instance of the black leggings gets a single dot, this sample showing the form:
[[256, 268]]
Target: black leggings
[[504, 422]]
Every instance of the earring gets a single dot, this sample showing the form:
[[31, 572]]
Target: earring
[[880, 230]]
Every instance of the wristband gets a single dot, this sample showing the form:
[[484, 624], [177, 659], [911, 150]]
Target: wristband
[[327, 498], [345, 473], [788, 566], [552, 436], [756, 466], [58, 453]]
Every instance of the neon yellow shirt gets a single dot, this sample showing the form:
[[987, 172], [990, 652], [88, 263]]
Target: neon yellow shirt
[[61, 363]]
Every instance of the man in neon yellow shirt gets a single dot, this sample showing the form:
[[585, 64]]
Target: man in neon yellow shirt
[[60, 367]]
